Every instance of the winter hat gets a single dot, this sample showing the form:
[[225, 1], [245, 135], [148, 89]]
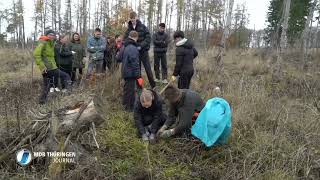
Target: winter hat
[[51, 32]]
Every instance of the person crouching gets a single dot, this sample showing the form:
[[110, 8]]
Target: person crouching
[[184, 105], [148, 114]]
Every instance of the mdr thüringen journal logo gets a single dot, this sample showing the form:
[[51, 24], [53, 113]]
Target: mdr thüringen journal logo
[[24, 157]]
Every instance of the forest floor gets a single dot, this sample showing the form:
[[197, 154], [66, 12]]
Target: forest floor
[[275, 123]]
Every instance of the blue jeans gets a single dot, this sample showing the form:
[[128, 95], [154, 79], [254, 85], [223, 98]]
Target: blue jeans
[[49, 79], [94, 64]]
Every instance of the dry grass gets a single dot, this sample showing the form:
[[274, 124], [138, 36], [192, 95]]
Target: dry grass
[[275, 135]]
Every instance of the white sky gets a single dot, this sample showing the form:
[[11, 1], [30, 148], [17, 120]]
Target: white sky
[[257, 10]]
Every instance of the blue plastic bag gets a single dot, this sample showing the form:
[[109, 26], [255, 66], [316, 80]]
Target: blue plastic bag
[[213, 125]]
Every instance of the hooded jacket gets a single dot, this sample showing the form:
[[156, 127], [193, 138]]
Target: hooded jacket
[[185, 53], [44, 54], [129, 55], [144, 39]]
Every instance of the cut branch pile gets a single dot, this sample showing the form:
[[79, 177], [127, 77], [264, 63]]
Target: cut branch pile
[[68, 129]]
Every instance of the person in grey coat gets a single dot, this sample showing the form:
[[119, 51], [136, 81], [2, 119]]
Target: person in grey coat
[[96, 46]]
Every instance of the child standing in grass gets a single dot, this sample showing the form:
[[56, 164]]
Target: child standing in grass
[[129, 56]]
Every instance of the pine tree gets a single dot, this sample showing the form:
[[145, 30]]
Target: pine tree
[[297, 19]]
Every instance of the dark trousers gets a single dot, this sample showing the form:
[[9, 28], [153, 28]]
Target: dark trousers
[[74, 73], [144, 58], [49, 79], [151, 125], [67, 69], [129, 93], [184, 80], [160, 57]]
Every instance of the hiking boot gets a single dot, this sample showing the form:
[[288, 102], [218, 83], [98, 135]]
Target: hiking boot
[[157, 80], [57, 89], [165, 81]]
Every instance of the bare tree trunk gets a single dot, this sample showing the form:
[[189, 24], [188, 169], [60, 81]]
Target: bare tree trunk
[[283, 41], [286, 13], [159, 11], [226, 30], [44, 16], [171, 11], [166, 13], [306, 34], [59, 19]]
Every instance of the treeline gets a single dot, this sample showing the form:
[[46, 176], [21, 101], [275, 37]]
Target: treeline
[[205, 21]]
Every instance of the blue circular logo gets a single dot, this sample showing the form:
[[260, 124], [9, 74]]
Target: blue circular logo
[[24, 157]]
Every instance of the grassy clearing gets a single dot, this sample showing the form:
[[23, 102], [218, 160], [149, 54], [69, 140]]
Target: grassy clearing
[[275, 126]]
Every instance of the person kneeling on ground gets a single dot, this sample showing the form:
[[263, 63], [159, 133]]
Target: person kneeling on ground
[[129, 56], [183, 105], [148, 114]]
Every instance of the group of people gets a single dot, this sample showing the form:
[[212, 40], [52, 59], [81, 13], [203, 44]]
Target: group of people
[[59, 62]]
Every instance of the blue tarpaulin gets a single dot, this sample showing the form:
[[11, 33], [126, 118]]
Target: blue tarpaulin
[[213, 125]]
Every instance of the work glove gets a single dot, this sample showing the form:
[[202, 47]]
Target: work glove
[[163, 128], [167, 133], [140, 82], [152, 138], [173, 78], [145, 137]]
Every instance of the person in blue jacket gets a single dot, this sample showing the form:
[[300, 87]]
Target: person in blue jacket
[[96, 46]]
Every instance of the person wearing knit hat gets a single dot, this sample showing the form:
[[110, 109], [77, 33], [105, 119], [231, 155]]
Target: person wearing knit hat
[[50, 32]]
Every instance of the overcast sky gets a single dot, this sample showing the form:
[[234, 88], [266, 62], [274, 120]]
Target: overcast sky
[[257, 10]]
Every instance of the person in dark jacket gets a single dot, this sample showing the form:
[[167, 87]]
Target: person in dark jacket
[[63, 56], [79, 53], [160, 41], [143, 44], [184, 104], [185, 53], [148, 114], [129, 55]]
